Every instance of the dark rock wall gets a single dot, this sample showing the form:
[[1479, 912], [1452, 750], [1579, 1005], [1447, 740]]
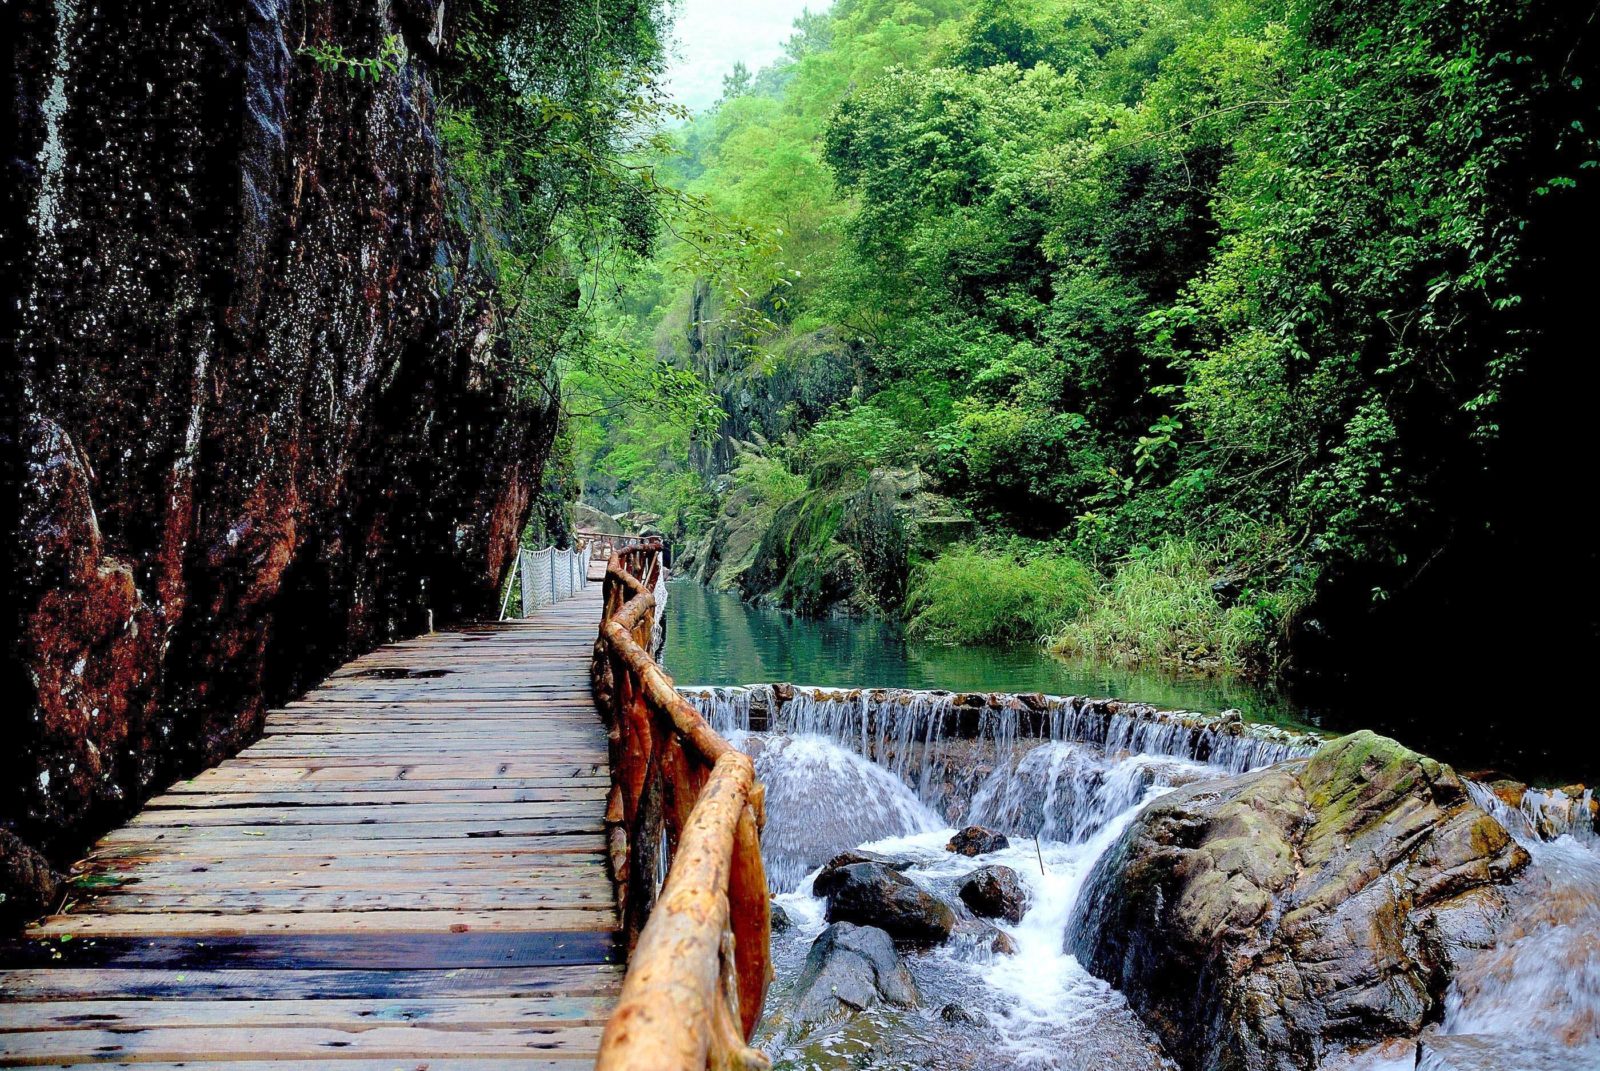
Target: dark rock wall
[[258, 418]]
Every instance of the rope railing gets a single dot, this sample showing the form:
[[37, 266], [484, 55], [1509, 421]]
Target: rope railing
[[683, 835], [547, 576]]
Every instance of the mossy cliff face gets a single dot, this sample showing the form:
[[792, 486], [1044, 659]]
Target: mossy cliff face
[[260, 418], [1270, 919]]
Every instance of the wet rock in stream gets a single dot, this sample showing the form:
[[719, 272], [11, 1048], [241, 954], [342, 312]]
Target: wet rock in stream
[[871, 894], [995, 892], [976, 840], [1262, 921], [849, 969], [861, 855]]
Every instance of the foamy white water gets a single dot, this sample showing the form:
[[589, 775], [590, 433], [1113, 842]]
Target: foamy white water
[[887, 772]]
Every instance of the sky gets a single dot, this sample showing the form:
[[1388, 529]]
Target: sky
[[713, 35]]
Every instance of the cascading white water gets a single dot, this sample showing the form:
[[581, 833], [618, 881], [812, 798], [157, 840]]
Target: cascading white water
[[1063, 777], [894, 771], [823, 798], [1069, 792], [1541, 980], [972, 757]]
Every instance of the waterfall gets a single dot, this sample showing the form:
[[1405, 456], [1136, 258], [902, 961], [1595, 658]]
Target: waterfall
[[822, 799], [1056, 768], [971, 757], [1069, 792], [894, 770]]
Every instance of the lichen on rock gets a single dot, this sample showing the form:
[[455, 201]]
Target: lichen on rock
[[1262, 921]]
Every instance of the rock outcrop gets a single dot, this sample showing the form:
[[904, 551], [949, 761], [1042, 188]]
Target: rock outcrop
[[29, 885], [261, 418], [848, 969], [1262, 921]]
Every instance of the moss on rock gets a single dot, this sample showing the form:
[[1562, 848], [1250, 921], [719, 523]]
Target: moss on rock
[[1262, 921]]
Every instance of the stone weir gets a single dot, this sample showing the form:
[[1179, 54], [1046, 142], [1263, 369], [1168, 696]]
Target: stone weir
[[946, 745]]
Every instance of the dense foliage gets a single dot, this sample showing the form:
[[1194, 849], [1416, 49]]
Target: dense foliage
[[551, 117], [1231, 301]]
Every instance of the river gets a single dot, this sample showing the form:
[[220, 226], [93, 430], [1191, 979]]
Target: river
[[714, 638], [889, 773], [1474, 723]]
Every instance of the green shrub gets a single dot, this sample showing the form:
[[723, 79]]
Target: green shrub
[[1160, 607], [973, 595]]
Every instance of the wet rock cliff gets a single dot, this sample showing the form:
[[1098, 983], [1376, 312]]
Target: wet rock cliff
[[258, 416]]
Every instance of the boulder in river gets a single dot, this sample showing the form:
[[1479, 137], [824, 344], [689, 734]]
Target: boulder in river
[[995, 892], [1261, 921], [780, 922], [861, 855], [871, 894], [980, 937], [977, 840], [851, 968], [957, 1015]]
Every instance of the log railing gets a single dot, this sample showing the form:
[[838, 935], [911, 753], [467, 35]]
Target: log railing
[[683, 826]]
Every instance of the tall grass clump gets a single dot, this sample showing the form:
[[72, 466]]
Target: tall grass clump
[[1159, 607], [974, 595]]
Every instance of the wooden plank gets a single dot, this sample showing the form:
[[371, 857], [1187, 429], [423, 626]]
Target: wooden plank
[[168, 875], [346, 891], [331, 813], [300, 951], [347, 797], [457, 1012], [492, 848], [297, 1044], [436, 872], [70, 983], [300, 788], [207, 923], [552, 1062], [261, 775]]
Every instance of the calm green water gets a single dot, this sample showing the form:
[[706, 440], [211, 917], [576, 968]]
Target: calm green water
[[714, 638]]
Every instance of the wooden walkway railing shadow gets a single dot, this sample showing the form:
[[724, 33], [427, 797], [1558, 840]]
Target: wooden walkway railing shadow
[[683, 833]]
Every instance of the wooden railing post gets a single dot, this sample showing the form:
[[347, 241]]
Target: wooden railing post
[[700, 957]]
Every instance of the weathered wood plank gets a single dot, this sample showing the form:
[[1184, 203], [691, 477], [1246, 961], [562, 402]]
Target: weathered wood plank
[[407, 870], [74, 983], [457, 1012], [551, 1062], [297, 1044], [208, 922]]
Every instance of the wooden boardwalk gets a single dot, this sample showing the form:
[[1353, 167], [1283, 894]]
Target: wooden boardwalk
[[406, 872]]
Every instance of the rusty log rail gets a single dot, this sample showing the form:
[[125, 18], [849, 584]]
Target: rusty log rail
[[683, 835]]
